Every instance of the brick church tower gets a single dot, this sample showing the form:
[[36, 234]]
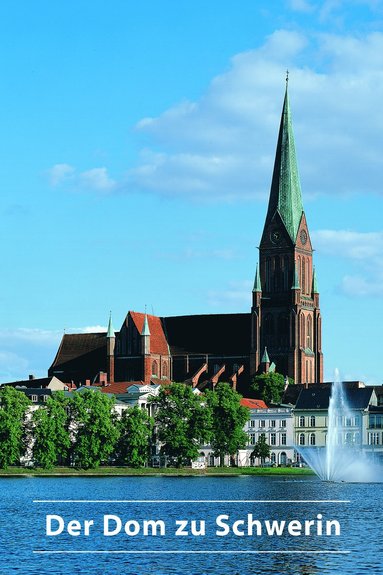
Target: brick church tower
[[286, 317]]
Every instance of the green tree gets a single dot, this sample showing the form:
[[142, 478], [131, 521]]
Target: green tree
[[261, 449], [13, 408], [228, 420], [269, 387], [94, 428], [135, 428], [50, 429], [182, 421]]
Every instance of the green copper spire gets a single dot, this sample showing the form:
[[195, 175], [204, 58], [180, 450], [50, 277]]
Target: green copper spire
[[315, 283], [257, 282], [285, 194], [110, 327], [296, 284], [145, 329], [265, 357]]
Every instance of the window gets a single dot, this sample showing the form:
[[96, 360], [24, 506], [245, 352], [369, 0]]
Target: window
[[216, 368], [312, 438], [272, 423], [252, 439], [348, 422], [282, 423], [155, 368], [301, 439], [348, 438], [373, 438], [235, 367], [165, 369], [262, 423], [273, 458], [312, 421], [34, 398], [301, 421], [283, 439], [273, 439], [252, 423]]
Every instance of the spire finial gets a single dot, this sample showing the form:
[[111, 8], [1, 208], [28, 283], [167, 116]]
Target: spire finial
[[287, 78]]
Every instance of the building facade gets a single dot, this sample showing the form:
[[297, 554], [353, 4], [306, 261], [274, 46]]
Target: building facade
[[201, 350]]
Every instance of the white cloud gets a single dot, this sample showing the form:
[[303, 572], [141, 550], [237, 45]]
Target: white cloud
[[301, 6], [354, 245], [24, 351], [236, 295], [360, 286], [90, 329], [33, 336], [223, 145], [364, 250], [95, 179], [12, 364], [60, 173]]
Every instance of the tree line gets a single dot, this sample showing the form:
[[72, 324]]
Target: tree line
[[84, 430]]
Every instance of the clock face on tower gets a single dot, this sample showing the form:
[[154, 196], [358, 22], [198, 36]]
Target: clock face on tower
[[275, 236], [303, 236]]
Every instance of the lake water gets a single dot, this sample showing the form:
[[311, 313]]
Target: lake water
[[356, 507]]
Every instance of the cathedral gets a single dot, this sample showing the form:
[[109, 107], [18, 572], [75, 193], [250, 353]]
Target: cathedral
[[282, 331]]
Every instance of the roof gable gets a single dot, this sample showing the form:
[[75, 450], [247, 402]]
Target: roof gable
[[158, 342]]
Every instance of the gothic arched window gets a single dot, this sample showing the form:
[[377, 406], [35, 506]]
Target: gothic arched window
[[303, 286], [303, 331], [268, 274], [286, 273], [268, 326], [309, 333], [155, 368]]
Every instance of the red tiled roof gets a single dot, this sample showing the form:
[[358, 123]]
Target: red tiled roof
[[158, 343], [119, 387], [253, 403]]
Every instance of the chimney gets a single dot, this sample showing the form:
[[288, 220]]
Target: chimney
[[31, 377], [87, 382]]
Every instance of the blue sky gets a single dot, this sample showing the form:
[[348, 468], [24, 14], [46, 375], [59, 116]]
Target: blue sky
[[137, 144]]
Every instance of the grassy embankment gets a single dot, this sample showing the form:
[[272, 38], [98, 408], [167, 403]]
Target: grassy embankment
[[148, 471]]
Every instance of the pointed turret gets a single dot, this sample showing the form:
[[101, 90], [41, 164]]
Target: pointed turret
[[265, 361], [110, 332], [314, 289], [110, 346], [145, 336], [265, 357], [285, 194], [257, 282], [145, 329]]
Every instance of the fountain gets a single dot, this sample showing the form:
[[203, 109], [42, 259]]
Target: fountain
[[340, 460]]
